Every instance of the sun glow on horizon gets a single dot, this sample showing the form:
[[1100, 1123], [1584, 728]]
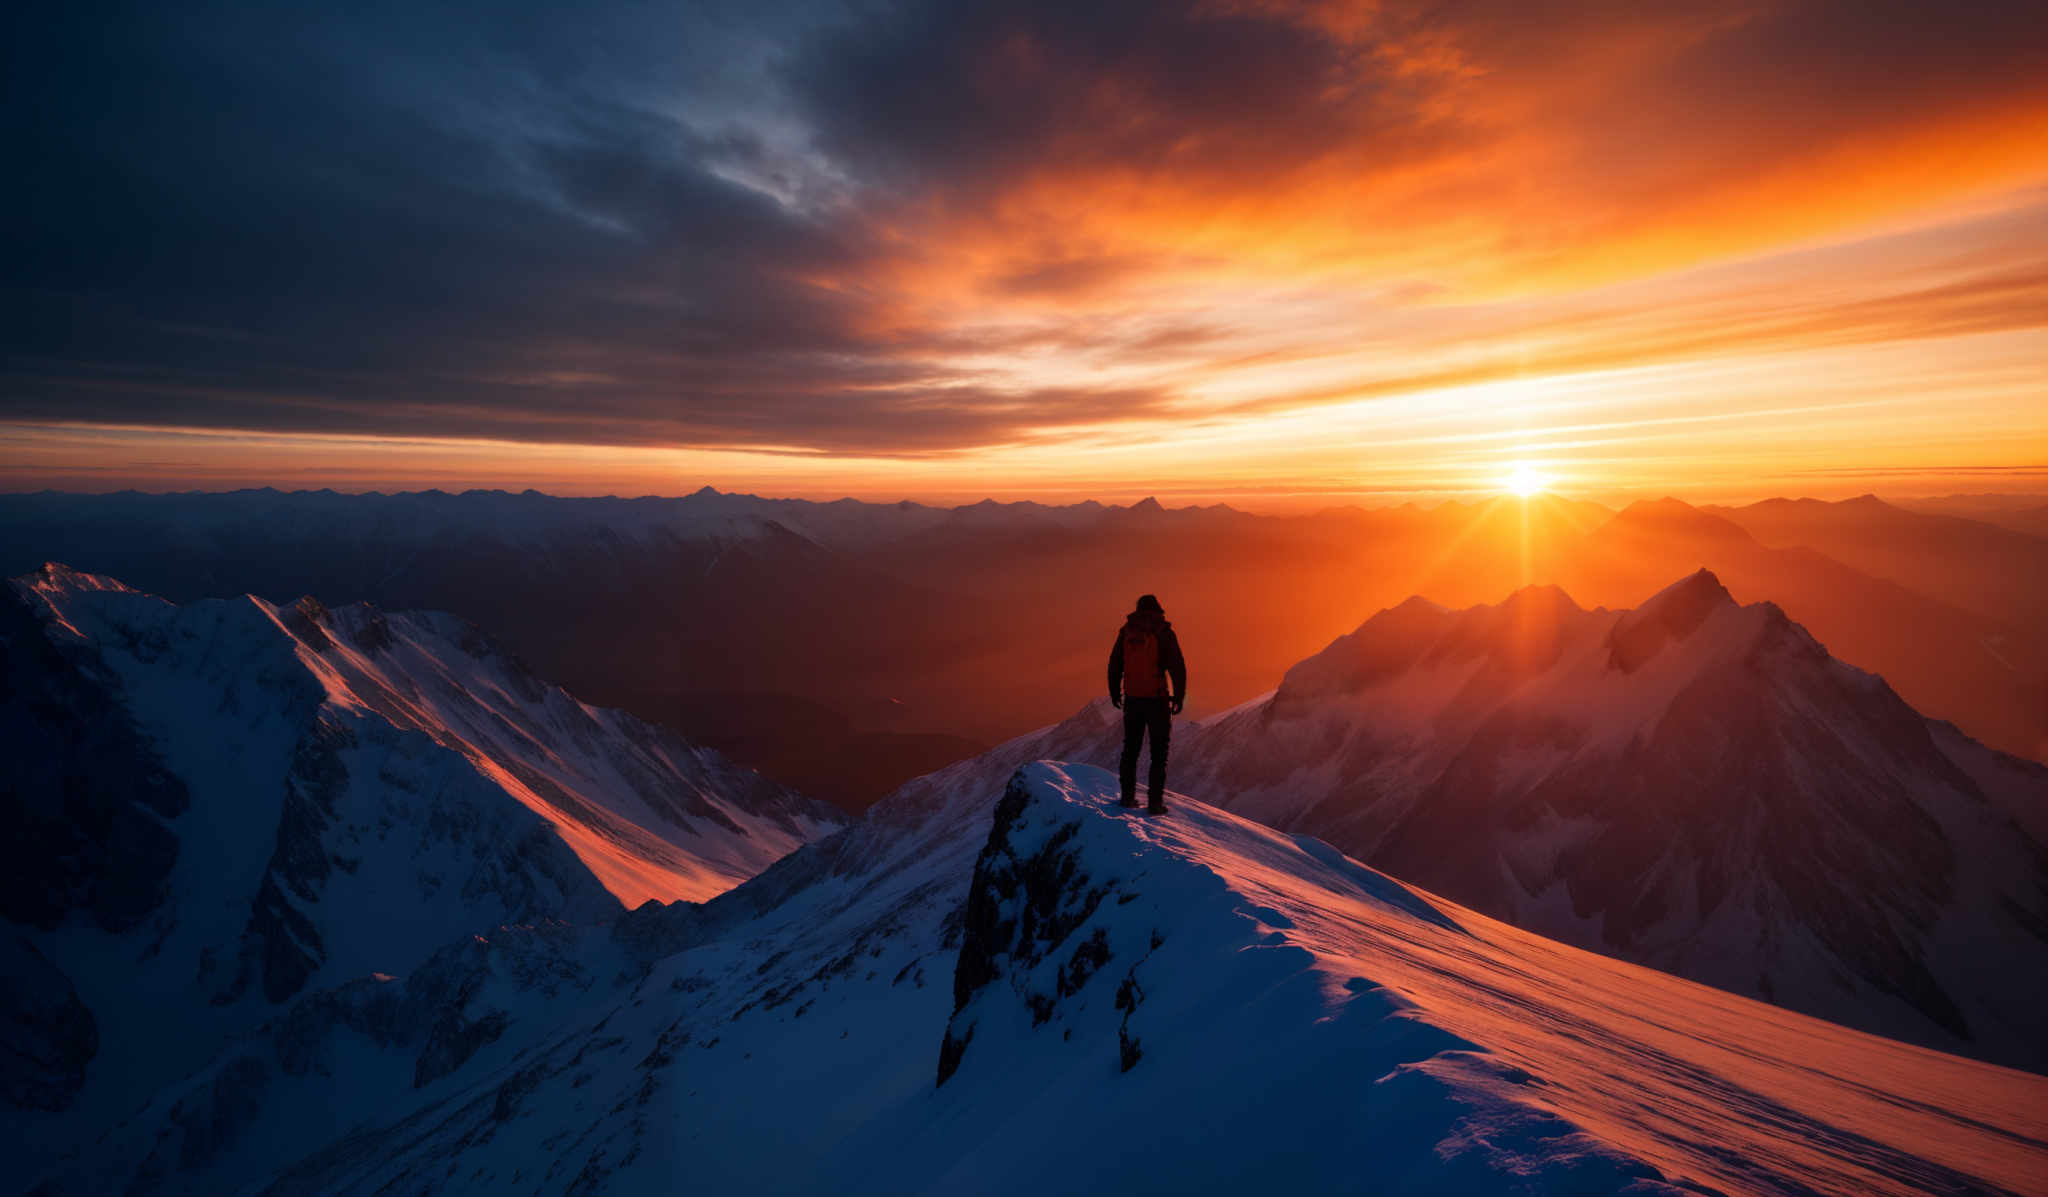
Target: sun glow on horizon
[[1526, 480]]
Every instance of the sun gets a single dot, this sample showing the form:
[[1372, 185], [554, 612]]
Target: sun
[[1526, 480]]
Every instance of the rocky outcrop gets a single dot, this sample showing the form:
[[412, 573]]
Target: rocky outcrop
[[47, 1036], [84, 799], [443, 1012], [1026, 927], [435, 1021], [283, 939]]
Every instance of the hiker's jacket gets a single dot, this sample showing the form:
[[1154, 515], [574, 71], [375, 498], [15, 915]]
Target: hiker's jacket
[[1147, 643]]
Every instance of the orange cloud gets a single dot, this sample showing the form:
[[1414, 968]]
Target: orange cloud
[[1489, 150], [1001, 244]]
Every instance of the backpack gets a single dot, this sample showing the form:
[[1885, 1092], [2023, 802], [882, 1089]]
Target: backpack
[[1143, 677]]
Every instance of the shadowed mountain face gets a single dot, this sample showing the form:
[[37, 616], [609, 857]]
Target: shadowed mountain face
[[844, 647], [213, 809], [1692, 784]]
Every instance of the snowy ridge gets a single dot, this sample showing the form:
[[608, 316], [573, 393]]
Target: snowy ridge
[[651, 815], [1029, 990], [222, 806], [1694, 784], [1454, 1053]]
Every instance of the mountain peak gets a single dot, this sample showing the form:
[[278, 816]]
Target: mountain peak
[[1671, 614], [1417, 603], [1148, 505], [1540, 596], [1525, 633], [1702, 586], [1669, 516], [56, 576], [1664, 508]]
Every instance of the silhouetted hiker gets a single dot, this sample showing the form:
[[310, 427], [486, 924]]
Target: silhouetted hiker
[[1145, 654]]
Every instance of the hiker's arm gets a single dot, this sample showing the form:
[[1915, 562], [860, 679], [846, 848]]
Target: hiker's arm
[[1116, 667], [1176, 665]]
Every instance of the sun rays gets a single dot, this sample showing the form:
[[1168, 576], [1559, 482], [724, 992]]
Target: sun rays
[[1525, 480]]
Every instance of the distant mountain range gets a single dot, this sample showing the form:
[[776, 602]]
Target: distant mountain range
[[845, 647], [1978, 566], [2026, 513]]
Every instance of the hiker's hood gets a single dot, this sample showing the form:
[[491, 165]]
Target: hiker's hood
[[1155, 619]]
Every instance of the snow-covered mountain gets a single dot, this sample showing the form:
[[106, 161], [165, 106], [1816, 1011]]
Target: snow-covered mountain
[[212, 809], [1694, 785], [1982, 664], [1026, 990]]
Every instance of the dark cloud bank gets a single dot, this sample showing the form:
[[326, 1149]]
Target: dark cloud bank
[[650, 224]]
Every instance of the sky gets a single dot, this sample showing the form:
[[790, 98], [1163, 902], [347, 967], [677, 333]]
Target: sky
[[1258, 251]]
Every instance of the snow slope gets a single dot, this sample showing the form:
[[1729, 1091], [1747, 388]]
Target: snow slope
[[1028, 990], [1694, 784], [215, 808]]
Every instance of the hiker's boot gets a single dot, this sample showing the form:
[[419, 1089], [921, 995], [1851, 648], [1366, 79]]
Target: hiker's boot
[[1156, 806], [1130, 801]]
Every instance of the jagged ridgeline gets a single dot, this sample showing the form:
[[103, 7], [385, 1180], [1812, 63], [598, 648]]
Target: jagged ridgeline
[[214, 810], [1693, 784]]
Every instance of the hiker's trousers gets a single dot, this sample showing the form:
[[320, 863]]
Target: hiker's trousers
[[1142, 716]]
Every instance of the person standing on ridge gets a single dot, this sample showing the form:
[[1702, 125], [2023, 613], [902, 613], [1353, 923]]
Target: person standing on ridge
[[1145, 655]]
